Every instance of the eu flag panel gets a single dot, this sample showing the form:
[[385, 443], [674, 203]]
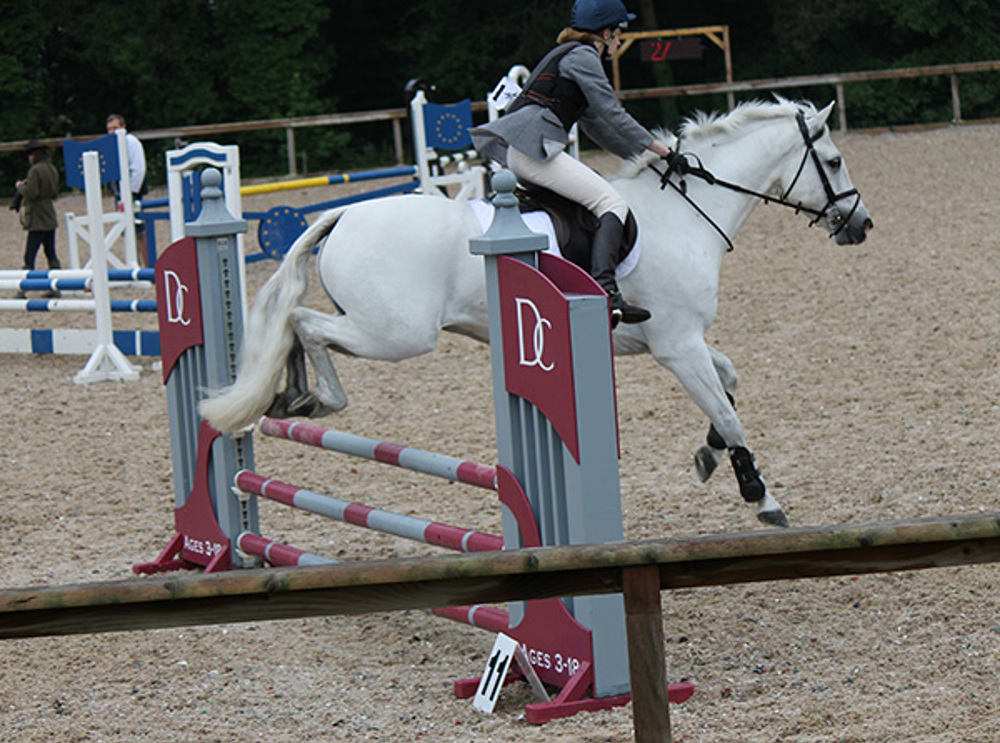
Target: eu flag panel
[[107, 157], [447, 125]]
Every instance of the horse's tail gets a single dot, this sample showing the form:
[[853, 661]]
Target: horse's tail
[[269, 337]]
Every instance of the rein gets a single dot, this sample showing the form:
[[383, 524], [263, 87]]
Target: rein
[[699, 171]]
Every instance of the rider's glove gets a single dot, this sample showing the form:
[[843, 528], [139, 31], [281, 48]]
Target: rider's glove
[[676, 162]]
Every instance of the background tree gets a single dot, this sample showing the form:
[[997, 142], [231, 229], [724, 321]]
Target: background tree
[[67, 63]]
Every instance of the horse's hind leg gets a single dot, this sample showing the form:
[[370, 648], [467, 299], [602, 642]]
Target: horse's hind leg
[[708, 456], [314, 331], [380, 332], [294, 378], [296, 399]]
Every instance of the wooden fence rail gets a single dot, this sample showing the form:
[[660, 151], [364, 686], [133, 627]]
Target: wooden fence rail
[[395, 116], [427, 582], [837, 80]]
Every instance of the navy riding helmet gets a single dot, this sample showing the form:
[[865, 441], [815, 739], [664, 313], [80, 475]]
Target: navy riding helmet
[[595, 15]]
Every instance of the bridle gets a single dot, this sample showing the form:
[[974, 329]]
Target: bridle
[[836, 222]]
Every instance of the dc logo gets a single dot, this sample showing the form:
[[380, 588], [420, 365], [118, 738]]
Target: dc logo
[[175, 292], [531, 329]]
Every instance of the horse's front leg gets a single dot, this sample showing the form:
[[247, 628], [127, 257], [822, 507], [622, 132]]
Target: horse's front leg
[[695, 368], [709, 454]]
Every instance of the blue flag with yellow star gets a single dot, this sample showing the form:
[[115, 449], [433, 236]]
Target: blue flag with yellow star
[[107, 158], [447, 126]]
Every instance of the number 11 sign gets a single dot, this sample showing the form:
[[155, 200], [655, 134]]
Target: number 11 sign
[[505, 649]]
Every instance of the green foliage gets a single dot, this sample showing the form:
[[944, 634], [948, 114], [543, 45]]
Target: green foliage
[[23, 73], [268, 56], [65, 64]]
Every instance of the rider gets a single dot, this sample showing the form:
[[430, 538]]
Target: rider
[[570, 85]]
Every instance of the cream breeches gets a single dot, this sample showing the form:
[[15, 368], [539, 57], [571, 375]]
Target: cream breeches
[[570, 178]]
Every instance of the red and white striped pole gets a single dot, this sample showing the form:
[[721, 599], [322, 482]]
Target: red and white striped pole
[[279, 554], [407, 527], [398, 455]]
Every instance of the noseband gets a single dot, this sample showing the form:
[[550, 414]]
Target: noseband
[[835, 220]]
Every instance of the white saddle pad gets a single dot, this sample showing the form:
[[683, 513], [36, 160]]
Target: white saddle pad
[[541, 223]]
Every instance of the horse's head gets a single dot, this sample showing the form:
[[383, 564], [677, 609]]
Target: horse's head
[[778, 152], [820, 183]]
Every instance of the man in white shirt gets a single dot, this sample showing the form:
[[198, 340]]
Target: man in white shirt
[[136, 176]]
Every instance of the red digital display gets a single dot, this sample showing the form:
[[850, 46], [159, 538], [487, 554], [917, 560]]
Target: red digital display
[[660, 50]]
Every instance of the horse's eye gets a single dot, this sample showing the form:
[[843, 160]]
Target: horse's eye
[[834, 163]]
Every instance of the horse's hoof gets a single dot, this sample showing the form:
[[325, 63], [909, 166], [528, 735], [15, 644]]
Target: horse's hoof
[[303, 406], [321, 411], [309, 406], [769, 512], [278, 408], [705, 462], [774, 517]]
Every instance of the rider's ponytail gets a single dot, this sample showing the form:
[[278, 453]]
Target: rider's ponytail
[[574, 34]]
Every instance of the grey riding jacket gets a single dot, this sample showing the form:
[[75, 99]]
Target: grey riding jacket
[[537, 131]]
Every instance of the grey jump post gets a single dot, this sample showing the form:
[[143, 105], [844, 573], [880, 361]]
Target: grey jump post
[[201, 317], [556, 416]]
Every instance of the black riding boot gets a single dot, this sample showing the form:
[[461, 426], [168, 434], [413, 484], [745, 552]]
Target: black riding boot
[[603, 261]]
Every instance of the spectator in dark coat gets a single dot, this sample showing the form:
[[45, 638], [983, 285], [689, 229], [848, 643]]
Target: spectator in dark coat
[[37, 194]]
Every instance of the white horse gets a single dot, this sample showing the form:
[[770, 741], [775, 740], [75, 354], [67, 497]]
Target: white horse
[[399, 272]]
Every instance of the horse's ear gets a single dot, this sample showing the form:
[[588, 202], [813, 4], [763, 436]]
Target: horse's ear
[[825, 113]]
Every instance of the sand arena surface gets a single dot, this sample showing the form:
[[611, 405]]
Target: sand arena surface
[[869, 380]]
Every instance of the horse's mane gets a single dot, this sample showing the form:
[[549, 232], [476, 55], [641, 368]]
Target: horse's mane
[[701, 125]]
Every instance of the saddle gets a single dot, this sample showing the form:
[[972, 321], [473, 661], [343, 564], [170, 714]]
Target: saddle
[[574, 225]]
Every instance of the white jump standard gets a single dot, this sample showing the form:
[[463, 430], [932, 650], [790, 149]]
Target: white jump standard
[[106, 347]]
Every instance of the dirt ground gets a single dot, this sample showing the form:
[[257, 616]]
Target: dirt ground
[[868, 391]]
